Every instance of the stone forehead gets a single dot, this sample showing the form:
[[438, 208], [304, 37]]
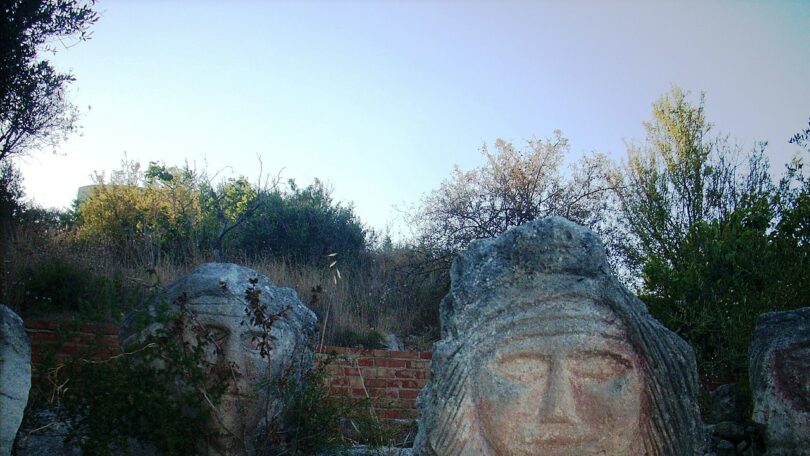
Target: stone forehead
[[552, 245], [546, 323], [527, 267]]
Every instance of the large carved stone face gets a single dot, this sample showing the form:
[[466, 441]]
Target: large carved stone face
[[567, 383]]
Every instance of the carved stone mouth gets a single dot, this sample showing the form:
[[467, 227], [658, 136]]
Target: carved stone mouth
[[562, 437]]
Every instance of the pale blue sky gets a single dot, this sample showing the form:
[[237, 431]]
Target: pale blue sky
[[381, 99]]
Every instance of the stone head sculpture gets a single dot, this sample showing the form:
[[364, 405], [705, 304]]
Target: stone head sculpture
[[543, 352], [779, 372], [214, 305]]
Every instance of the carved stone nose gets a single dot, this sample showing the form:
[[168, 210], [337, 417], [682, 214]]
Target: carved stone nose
[[557, 404]]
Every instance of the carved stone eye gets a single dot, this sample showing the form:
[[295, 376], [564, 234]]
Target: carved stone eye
[[522, 369], [599, 366]]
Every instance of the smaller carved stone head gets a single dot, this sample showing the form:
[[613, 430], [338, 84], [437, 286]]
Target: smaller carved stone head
[[213, 304]]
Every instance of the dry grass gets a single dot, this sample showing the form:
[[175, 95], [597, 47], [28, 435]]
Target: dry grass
[[380, 294]]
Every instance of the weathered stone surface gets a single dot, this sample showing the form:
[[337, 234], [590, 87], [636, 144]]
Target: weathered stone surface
[[44, 433], [215, 296], [15, 376], [543, 352], [779, 371]]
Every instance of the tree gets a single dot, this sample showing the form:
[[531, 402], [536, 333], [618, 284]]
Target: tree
[[231, 203], [513, 187], [11, 192], [802, 138], [143, 216], [680, 176], [708, 235], [34, 110]]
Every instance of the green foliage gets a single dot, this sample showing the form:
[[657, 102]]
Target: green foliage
[[10, 209], [143, 216], [158, 393], [302, 225], [802, 139], [34, 110], [365, 339], [59, 286], [714, 241], [319, 422], [11, 191]]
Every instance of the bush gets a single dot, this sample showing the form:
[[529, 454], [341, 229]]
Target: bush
[[59, 286], [302, 226], [158, 393], [350, 338], [318, 421]]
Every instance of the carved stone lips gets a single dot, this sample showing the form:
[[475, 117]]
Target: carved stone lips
[[560, 437]]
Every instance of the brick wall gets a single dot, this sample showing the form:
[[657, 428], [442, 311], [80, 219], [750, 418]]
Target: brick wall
[[55, 342], [391, 379]]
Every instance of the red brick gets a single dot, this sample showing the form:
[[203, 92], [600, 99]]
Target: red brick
[[339, 391], [383, 393], [408, 394], [420, 374], [426, 355], [365, 362], [376, 383], [409, 384], [351, 371], [404, 354], [69, 349], [390, 362], [406, 373], [358, 392], [99, 328], [385, 372], [339, 381], [396, 414], [41, 324], [422, 365], [42, 335]]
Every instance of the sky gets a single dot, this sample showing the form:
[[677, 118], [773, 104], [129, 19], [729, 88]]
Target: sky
[[380, 99]]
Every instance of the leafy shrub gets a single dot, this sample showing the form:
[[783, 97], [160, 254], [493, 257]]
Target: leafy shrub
[[301, 225], [63, 287], [159, 393], [319, 421], [365, 339]]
